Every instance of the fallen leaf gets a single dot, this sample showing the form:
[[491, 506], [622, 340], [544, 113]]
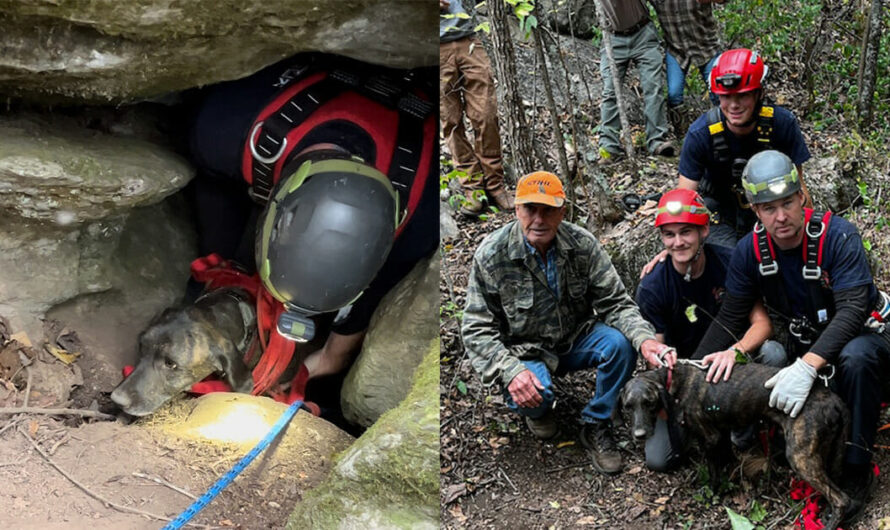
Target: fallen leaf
[[569, 443], [60, 354], [22, 338], [454, 492], [589, 520], [634, 470], [226, 522], [457, 513], [32, 427], [662, 500], [554, 505]]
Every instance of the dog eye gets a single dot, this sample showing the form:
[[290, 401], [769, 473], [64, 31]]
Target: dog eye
[[169, 363]]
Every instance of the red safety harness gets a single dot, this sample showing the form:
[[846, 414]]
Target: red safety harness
[[389, 106], [276, 351]]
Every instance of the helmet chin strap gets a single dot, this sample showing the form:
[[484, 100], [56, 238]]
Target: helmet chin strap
[[688, 276]]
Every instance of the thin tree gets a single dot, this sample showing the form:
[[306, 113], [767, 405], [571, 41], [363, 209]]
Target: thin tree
[[868, 64], [505, 64]]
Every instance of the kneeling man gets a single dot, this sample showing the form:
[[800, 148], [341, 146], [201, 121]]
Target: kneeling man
[[810, 270], [543, 300]]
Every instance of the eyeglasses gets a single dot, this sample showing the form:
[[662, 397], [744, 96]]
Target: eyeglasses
[[729, 81]]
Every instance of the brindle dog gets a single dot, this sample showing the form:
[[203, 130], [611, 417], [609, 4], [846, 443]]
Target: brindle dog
[[186, 344], [814, 440]]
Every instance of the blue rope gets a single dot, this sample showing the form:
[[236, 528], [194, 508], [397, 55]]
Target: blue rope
[[226, 479]]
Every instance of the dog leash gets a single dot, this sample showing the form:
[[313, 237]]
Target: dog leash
[[226, 479]]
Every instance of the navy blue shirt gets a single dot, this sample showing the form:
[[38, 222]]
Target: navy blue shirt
[[843, 260], [698, 162], [665, 299]]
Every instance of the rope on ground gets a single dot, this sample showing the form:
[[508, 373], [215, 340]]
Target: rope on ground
[[94, 495]]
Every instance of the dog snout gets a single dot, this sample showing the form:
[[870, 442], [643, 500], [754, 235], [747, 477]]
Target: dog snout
[[121, 398], [639, 433]]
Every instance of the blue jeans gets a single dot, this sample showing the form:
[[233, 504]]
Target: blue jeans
[[604, 348], [676, 80]]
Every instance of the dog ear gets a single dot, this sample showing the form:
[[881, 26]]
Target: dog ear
[[228, 359]]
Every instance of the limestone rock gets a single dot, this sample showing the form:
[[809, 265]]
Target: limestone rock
[[829, 184], [141, 258], [52, 169], [111, 52], [389, 478], [447, 225], [398, 337]]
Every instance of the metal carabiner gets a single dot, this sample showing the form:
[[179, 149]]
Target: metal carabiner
[[264, 159]]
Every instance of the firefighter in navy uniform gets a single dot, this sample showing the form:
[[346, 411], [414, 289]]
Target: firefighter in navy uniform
[[320, 170], [720, 142], [810, 270]]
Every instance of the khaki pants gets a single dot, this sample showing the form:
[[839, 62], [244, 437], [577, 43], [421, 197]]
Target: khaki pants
[[466, 86]]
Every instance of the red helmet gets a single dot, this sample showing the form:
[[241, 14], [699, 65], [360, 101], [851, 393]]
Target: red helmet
[[738, 71], [682, 206]]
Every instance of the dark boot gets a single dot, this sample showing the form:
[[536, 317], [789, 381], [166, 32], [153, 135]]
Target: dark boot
[[600, 444], [544, 427], [859, 482]]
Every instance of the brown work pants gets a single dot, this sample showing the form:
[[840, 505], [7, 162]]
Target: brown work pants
[[466, 86]]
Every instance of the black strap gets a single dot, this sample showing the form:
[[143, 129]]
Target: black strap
[[268, 137], [718, 139], [821, 296], [765, 125], [674, 435]]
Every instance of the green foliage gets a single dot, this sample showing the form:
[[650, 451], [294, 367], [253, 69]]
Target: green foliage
[[523, 11], [451, 310], [461, 387], [738, 522], [757, 513]]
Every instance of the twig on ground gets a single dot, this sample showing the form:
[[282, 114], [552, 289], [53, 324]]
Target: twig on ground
[[510, 482], [58, 412], [94, 495], [163, 482], [28, 386], [9, 425]]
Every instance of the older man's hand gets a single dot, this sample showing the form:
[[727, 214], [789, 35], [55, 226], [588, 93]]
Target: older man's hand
[[658, 354], [524, 389]]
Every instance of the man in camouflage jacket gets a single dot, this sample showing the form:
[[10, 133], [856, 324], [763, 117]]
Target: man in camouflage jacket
[[543, 298]]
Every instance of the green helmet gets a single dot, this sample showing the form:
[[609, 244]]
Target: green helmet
[[769, 175], [325, 233]]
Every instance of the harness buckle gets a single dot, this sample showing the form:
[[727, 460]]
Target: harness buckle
[[264, 159], [768, 269], [817, 234], [797, 328], [259, 197], [812, 273]]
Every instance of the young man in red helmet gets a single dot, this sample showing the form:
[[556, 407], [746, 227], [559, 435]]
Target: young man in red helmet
[[680, 298], [720, 142]]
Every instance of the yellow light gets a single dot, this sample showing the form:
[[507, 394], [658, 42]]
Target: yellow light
[[231, 418]]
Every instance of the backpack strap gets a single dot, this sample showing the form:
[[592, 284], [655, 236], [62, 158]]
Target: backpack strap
[[718, 135], [815, 230], [765, 125]]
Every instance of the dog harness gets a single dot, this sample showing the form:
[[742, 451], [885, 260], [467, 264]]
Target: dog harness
[[391, 108], [277, 351]]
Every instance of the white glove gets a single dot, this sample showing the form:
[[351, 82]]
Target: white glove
[[791, 386]]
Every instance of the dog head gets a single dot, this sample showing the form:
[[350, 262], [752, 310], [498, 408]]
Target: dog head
[[181, 347], [641, 401]]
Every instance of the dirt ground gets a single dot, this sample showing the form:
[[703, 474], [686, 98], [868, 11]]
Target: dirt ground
[[137, 466], [495, 472]]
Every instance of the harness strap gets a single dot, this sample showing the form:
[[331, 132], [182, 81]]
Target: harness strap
[[817, 282], [765, 125], [667, 403], [718, 135], [268, 138]]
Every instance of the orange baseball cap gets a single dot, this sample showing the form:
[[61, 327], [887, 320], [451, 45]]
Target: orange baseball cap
[[540, 187]]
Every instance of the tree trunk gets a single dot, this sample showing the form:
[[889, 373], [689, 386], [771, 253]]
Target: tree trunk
[[616, 83], [869, 64], [505, 64], [558, 141]]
